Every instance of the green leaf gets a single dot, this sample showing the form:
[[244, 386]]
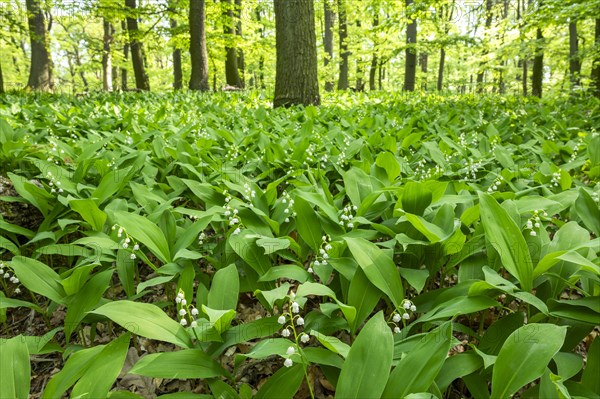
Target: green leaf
[[224, 289], [588, 211], [15, 367], [187, 363], [363, 295], [38, 277], [368, 363], [291, 272], [272, 245], [283, 384], [378, 268], [146, 233], [458, 306], [416, 197], [591, 372], [457, 366], [146, 320], [417, 370], [219, 319], [388, 162], [524, 357], [90, 212], [103, 370], [506, 238], [332, 343], [307, 223]]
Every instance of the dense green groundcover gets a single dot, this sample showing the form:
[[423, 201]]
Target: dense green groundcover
[[391, 246]]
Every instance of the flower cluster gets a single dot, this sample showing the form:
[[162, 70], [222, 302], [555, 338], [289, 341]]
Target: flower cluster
[[201, 238], [289, 206], [232, 153], [402, 315], [202, 134], [432, 173], [7, 276], [347, 216], [323, 255], [310, 153], [249, 193], [497, 182], [54, 184], [472, 169], [127, 241], [556, 179], [232, 214], [185, 311], [54, 152], [291, 320], [535, 221]]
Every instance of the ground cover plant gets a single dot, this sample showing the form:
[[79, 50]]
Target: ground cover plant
[[192, 246]]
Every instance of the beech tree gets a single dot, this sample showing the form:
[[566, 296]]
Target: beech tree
[[40, 72], [198, 52], [137, 58]]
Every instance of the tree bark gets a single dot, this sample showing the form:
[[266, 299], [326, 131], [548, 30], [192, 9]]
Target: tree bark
[[107, 78], [40, 72], [596, 62], [440, 79], [124, 84], [360, 84], [329, 16], [232, 75], [79, 68], [423, 60], [137, 56], [241, 61], [1, 80], [261, 60], [344, 54], [537, 74], [177, 72], [198, 52], [574, 61], [296, 79], [488, 23], [374, 58], [410, 65]]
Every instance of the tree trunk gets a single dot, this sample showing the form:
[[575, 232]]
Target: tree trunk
[[232, 75], [374, 58], [537, 74], [124, 84], [261, 60], [177, 72], [410, 65], [360, 85], [1, 80], [238, 32], [137, 56], [440, 79], [40, 72], [488, 23], [381, 75], [329, 16], [574, 62], [198, 53], [296, 79], [596, 62], [80, 69], [344, 54], [423, 59], [107, 78]]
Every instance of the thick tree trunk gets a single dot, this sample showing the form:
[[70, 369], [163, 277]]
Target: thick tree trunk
[[344, 54], [329, 16], [198, 52], [440, 79], [574, 62], [296, 79], [241, 61], [232, 75], [137, 56], [107, 78], [410, 65], [488, 23], [537, 74], [40, 72], [596, 67], [124, 84], [177, 72]]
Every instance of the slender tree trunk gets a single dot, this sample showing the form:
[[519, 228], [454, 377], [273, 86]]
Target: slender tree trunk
[[488, 23], [40, 72], [423, 59], [374, 58], [261, 60], [596, 62], [410, 66], [198, 53], [344, 54], [329, 16], [137, 56], [177, 72], [440, 79], [360, 85], [296, 79], [80, 69], [124, 84], [574, 62], [381, 75], [232, 75], [241, 61], [1, 80], [107, 78], [537, 74]]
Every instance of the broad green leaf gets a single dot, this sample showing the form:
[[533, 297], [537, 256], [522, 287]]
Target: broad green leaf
[[224, 289], [291, 272], [146, 232], [417, 370], [38, 277], [378, 268], [90, 212], [368, 363], [457, 366], [332, 343], [506, 238], [416, 197], [587, 209], [283, 384], [458, 306], [146, 320], [307, 223], [524, 357], [182, 364], [590, 379], [363, 295], [219, 319], [388, 162], [15, 368]]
